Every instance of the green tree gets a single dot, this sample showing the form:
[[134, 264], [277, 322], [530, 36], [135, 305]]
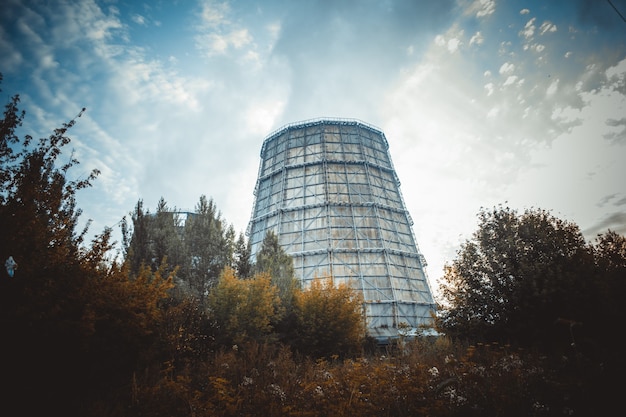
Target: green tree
[[273, 259], [154, 238], [198, 248], [209, 247], [136, 239], [329, 320], [166, 230], [242, 257]]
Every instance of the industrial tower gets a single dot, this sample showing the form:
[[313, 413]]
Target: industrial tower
[[328, 189]]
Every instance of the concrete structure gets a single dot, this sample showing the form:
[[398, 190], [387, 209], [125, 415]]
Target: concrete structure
[[329, 190]]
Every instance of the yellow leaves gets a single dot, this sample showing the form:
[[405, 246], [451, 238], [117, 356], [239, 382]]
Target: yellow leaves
[[330, 318], [244, 308]]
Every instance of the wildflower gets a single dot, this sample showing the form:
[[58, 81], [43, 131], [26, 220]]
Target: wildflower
[[277, 391], [434, 371]]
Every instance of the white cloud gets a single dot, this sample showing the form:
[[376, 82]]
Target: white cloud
[[511, 79], [552, 88], [524, 11], [489, 87], [139, 19], [617, 74], [213, 13], [529, 29], [218, 35], [477, 39], [575, 174], [453, 45], [216, 43], [547, 26], [262, 116], [483, 7], [507, 68]]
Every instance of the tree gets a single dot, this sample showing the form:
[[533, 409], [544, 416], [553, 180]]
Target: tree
[[244, 309], [73, 324], [242, 257], [208, 245], [329, 319], [136, 240], [199, 249], [273, 259], [518, 278], [155, 238], [11, 120], [607, 297]]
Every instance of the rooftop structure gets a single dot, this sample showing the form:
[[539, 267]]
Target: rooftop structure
[[328, 189]]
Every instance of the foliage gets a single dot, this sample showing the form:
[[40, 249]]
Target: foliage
[[244, 309], [272, 259], [329, 320], [242, 262], [85, 335], [199, 249], [436, 378], [209, 246], [518, 275], [532, 280], [72, 321]]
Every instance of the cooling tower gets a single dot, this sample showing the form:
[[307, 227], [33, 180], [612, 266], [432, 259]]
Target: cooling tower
[[329, 191]]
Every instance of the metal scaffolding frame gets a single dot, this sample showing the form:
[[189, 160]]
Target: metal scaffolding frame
[[329, 190]]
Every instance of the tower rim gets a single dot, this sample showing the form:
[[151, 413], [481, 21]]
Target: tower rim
[[323, 121]]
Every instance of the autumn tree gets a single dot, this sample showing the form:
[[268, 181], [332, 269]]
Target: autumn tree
[[244, 309], [329, 319], [73, 324]]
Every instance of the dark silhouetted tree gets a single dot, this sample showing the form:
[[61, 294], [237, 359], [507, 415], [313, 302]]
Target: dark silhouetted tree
[[74, 326], [518, 279]]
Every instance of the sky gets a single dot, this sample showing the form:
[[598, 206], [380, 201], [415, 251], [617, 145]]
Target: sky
[[483, 102]]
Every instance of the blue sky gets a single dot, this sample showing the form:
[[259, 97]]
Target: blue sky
[[483, 102]]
